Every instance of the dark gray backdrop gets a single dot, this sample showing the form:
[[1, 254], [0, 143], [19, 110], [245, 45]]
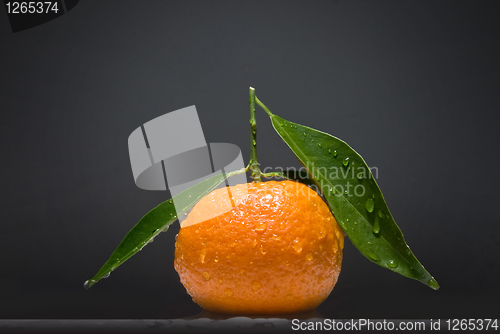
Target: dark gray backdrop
[[412, 86]]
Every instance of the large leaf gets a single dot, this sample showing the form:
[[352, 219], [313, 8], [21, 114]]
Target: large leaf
[[353, 196], [156, 221]]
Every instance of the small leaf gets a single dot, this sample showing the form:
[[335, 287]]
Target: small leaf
[[156, 221], [353, 196]]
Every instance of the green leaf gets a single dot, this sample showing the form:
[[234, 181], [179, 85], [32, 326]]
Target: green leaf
[[353, 196], [156, 221]]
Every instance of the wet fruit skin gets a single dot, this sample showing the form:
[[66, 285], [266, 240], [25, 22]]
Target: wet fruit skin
[[277, 250]]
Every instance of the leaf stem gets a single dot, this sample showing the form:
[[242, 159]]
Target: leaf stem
[[275, 174], [254, 164], [266, 109]]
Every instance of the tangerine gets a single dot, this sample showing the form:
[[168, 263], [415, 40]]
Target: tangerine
[[259, 248]]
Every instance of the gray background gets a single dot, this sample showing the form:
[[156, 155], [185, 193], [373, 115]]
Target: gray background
[[412, 86]]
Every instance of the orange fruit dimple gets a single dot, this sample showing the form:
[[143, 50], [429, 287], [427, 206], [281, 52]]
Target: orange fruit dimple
[[278, 250]]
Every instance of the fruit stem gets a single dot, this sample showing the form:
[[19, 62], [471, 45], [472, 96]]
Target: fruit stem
[[254, 164]]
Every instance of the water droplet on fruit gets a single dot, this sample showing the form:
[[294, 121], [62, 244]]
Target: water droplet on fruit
[[319, 144], [228, 292], [155, 231], [381, 214], [329, 151], [345, 162], [206, 276], [309, 257], [369, 205], [305, 134], [256, 285], [106, 275], [374, 257], [376, 226], [254, 143], [297, 245], [335, 153], [202, 255], [392, 264], [321, 234], [261, 227]]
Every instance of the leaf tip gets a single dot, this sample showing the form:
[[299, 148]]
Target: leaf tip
[[88, 284], [433, 284]]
